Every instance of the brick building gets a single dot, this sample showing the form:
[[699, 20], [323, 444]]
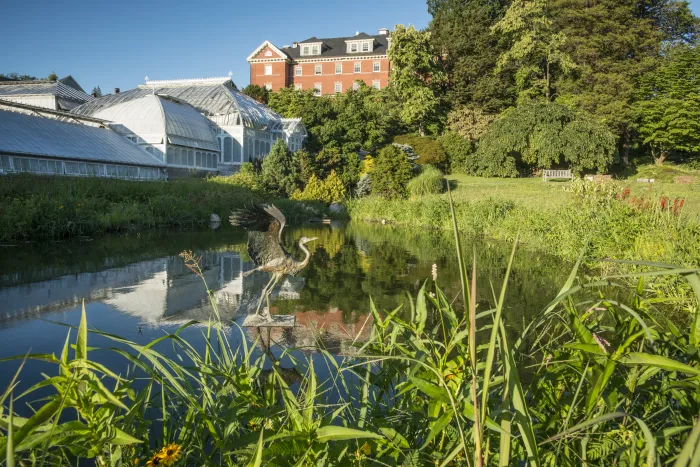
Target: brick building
[[328, 66]]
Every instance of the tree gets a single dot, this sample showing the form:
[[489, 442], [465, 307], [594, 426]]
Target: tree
[[96, 91], [52, 76], [461, 31], [417, 75], [278, 172], [17, 77], [259, 93], [669, 105], [537, 49], [542, 134], [391, 172]]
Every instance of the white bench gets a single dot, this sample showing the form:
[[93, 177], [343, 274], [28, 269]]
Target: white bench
[[556, 174]]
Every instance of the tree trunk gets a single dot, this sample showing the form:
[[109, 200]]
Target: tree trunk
[[659, 155], [548, 90], [421, 129]]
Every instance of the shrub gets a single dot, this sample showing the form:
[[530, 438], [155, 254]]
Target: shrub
[[246, 177], [279, 173], [364, 186], [331, 190], [429, 182], [458, 151], [391, 173], [428, 150]]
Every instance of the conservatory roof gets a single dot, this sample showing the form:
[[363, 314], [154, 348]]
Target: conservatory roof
[[64, 90], [151, 116], [210, 96], [38, 136]]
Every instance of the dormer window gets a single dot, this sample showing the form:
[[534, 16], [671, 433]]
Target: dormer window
[[360, 45], [365, 46], [312, 49], [353, 47], [315, 50], [305, 50]]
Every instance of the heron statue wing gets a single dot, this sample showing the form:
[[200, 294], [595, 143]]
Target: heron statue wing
[[264, 224]]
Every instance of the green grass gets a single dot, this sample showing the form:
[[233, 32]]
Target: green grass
[[34, 207]]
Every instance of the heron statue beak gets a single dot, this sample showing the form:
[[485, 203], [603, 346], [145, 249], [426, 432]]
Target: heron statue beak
[[312, 239]]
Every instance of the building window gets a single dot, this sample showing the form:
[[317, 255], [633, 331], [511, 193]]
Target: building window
[[317, 69], [190, 158], [236, 151], [365, 46], [317, 89], [297, 71], [228, 150], [376, 84], [358, 68], [297, 86], [268, 86], [305, 50], [377, 67], [268, 53], [198, 158], [338, 68], [268, 69], [355, 85], [315, 50], [353, 47], [338, 87]]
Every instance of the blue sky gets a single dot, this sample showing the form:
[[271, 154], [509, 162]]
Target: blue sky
[[117, 44]]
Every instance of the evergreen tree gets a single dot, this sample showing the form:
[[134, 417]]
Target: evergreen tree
[[391, 173], [461, 31], [259, 93], [279, 174], [669, 106], [417, 76], [96, 91]]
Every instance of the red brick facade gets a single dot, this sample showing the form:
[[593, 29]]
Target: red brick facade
[[274, 68]]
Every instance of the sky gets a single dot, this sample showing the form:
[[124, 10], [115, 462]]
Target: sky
[[119, 43]]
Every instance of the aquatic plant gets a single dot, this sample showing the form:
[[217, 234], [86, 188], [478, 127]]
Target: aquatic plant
[[597, 378]]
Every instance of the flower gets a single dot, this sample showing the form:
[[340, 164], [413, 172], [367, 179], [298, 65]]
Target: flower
[[170, 454], [155, 460], [434, 271]]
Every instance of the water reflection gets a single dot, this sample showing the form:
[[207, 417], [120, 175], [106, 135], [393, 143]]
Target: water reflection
[[142, 282]]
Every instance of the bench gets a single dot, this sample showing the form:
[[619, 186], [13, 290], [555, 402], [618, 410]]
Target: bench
[[556, 174]]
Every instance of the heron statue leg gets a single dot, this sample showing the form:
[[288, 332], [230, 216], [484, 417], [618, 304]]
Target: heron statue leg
[[276, 278], [264, 294]]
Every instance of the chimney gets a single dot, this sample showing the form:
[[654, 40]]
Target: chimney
[[295, 45], [116, 90], [383, 32]]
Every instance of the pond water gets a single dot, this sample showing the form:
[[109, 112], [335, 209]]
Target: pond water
[[136, 286]]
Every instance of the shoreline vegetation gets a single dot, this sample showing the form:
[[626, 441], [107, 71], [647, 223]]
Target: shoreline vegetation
[[594, 378]]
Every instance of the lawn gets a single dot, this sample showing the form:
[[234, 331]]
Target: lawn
[[534, 193]]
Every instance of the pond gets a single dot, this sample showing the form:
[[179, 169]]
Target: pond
[[137, 287]]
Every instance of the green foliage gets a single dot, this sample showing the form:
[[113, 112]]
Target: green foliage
[[279, 173], [462, 31], [537, 48], [52, 76], [247, 177], [257, 92], [330, 190], [305, 166], [543, 135], [470, 123], [428, 150], [96, 91], [429, 182], [362, 119], [416, 75], [669, 105], [457, 149], [391, 172]]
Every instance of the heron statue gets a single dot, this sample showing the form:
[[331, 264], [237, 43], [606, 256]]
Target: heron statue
[[264, 224]]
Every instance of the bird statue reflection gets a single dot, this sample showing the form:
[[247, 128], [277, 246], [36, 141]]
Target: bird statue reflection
[[264, 224]]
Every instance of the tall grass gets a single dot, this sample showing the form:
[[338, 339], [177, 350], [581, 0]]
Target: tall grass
[[595, 379], [33, 207]]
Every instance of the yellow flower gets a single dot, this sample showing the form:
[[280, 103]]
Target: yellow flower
[[170, 454], [155, 461], [60, 207]]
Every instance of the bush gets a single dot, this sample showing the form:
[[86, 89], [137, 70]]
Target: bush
[[331, 190], [246, 177], [429, 182], [364, 186], [458, 151], [391, 172], [428, 150], [279, 173]]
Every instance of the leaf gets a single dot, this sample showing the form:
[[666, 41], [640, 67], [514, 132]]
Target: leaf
[[665, 363], [35, 421], [429, 389], [394, 437], [339, 433], [686, 457], [257, 459], [81, 343], [10, 444], [121, 438], [437, 427]]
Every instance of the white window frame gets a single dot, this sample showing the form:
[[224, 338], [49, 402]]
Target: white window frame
[[297, 70], [305, 50], [339, 65], [318, 70], [315, 50], [353, 47], [268, 70], [318, 89], [357, 67], [297, 86], [268, 53], [376, 84], [377, 67], [338, 87], [365, 46]]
